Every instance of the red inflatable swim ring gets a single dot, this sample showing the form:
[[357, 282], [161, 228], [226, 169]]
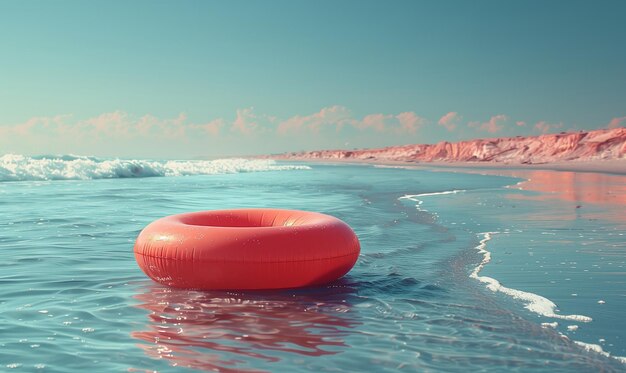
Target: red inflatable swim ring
[[246, 249]]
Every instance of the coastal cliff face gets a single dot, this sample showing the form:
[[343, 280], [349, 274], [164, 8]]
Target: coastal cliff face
[[604, 144]]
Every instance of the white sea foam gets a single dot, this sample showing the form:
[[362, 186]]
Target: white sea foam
[[415, 197], [598, 349], [533, 302], [393, 166], [15, 167]]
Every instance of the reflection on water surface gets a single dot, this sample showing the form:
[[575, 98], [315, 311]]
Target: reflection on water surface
[[209, 330]]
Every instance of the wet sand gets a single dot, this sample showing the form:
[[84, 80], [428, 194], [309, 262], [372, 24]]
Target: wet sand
[[617, 167], [579, 183]]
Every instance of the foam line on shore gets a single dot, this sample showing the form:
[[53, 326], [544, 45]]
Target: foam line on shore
[[413, 197], [416, 197], [533, 302]]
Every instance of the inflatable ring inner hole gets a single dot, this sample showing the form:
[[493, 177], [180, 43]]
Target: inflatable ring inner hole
[[235, 219]]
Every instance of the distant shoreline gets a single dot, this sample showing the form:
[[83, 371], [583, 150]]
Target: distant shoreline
[[602, 150], [612, 166]]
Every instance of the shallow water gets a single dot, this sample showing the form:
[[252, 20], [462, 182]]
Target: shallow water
[[72, 297]]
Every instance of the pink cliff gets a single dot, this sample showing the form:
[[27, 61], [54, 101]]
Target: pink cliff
[[603, 144]]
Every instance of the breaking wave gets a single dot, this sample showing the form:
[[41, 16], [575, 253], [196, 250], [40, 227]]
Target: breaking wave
[[16, 167]]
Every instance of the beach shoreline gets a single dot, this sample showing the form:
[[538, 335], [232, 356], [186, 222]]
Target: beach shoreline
[[579, 183], [613, 166]]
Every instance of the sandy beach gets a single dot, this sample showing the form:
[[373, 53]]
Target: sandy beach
[[614, 166]]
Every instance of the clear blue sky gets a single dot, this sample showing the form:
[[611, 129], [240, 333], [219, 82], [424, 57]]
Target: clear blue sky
[[208, 78]]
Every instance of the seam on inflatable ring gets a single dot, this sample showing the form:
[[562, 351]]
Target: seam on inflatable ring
[[243, 261]]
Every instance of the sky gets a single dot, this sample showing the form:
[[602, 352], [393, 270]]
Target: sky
[[205, 79]]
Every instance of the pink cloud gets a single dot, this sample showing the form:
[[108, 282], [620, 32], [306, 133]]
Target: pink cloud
[[336, 116], [146, 124], [545, 127], [493, 125], [26, 127], [409, 122], [113, 125], [119, 124], [374, 121], [102, 121], [175, 127], [37, 124], [119, 127], [617, 122], [149, 125], [245, 122], [450, 120], [212, 128]]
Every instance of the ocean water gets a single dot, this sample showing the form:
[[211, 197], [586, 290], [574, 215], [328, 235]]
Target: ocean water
[[458, 271]]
